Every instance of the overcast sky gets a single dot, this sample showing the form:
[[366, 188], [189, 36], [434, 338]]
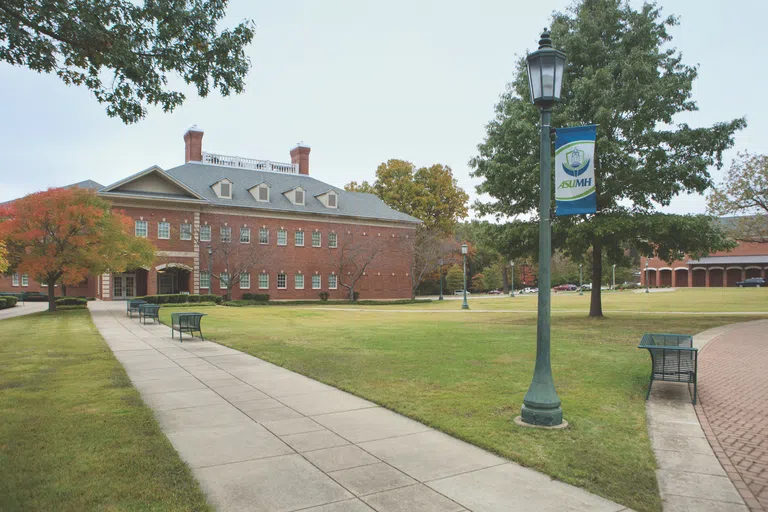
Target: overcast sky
[[361, 82]]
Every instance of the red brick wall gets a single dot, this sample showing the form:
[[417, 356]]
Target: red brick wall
[[87, 289]]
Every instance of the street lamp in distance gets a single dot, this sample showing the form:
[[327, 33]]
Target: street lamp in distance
[[464, 250], [647, 285], [541, 405], [581, 279], [613, 287], [512, 288], [440, 262]]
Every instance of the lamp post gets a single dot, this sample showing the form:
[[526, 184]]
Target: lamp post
[[512, 288], [440, 262], [581, 279], [541, 405], [464, 249], [613, 280], [210, 269], [647, 290]]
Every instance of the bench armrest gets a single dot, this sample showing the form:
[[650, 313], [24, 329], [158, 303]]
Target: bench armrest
[[669, 347]]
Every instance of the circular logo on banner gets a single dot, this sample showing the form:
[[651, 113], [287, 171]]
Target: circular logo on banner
[[575, 164]]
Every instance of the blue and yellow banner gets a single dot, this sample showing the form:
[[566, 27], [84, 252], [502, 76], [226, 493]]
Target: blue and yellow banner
[[575, 170]]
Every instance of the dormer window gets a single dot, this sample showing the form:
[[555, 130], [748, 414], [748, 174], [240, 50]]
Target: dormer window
[[298, 196], [331, 200], [223, 189], [263, 193]]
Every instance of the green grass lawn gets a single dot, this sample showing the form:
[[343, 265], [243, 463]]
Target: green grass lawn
[[466, 374], [74, 433], [705, 300]]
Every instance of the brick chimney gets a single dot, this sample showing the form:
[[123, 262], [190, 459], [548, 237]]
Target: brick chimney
[[193, 144], [300, 155]]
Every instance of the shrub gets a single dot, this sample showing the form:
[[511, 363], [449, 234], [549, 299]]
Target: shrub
[[324, 296], [241, 303], [259, 297], [355, 296], [71, 301], [3, 303]]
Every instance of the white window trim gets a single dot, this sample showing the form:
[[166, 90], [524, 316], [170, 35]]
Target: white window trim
[[206, 286], [335, 238], [245, 230], [223, 282], [285, 231], [241, 281], [158, 231], [266, 276], [223, 229], [24, 279], [206, 228], [303, 196], [15, 280], [267, 231], [319, 239], [295, 235], [258, 192], [136, 228], [285, 283], [185, 235], [320, 282], [219, 193], [335, 282], [295, 281], [328, 200]]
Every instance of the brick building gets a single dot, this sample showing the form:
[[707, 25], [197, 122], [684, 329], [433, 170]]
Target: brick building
[[298, 235], [749, 259]]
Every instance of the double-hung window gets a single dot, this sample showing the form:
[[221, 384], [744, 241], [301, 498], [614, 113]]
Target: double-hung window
[[15, 280], [164, 230], [263, 281], [223, 280], [333, 240], [205, 280], [282, 237], [226, 234], [299, 281], [185, 231], [141, 229], [205, 233], [263, 236], [24, 280], [316, 239], [245, 281], [316, 282], [282, 281], [332, 283], [299, 239], [245, 235]]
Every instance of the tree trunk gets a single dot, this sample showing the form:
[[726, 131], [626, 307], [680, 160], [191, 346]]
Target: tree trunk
[[51, 296], [351, 294], [63, 290], [596, 302], [413, 289], [505, 280]]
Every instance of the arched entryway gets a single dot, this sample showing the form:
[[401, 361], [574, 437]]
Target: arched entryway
[[681, 277], [715, 277], [753, 272], [734, 275], [665, 277], [174, 278], [651, 276], [699, 277]]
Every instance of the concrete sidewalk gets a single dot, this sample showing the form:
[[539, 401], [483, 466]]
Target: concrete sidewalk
[[23, 309], [262, 438]]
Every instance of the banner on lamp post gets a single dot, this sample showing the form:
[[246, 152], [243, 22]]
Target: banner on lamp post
[[575, 170]]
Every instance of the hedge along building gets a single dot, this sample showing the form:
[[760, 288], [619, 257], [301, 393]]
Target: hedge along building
[[271, 227], [720, 269]]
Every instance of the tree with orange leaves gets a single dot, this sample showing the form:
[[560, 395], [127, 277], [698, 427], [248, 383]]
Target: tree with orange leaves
[[62, 235]]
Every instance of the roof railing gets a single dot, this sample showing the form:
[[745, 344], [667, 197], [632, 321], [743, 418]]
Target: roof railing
[[249, 163]]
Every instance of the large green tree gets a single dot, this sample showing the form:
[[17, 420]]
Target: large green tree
[[427, 193], [124, 51], [623, 75], [744, 193]]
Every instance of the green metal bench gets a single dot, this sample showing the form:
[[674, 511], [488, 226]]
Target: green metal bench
[[149, 311], [186, 322], [673, 359], [132, 306]]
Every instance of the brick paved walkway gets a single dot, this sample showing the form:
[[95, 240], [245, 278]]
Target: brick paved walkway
[[733, 391]]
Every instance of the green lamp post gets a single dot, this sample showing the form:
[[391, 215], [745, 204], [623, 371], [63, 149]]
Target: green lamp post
[[512, 288], [541, 405], [647, 284], [581, 279], [464, 249], [440, 262], [613, 278]]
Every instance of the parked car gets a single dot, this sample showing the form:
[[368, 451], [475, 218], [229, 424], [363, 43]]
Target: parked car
[[460, 292], [529, 289], [587, 286], [566, 288], [755, 282], [494, 292]]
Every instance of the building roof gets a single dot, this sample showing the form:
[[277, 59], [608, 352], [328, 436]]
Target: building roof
[[86, 184], [730, 260], [198, 177]]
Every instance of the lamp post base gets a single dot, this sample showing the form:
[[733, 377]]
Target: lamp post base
[[465, 306], [440, 298], [536, 416], [519, 421]]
